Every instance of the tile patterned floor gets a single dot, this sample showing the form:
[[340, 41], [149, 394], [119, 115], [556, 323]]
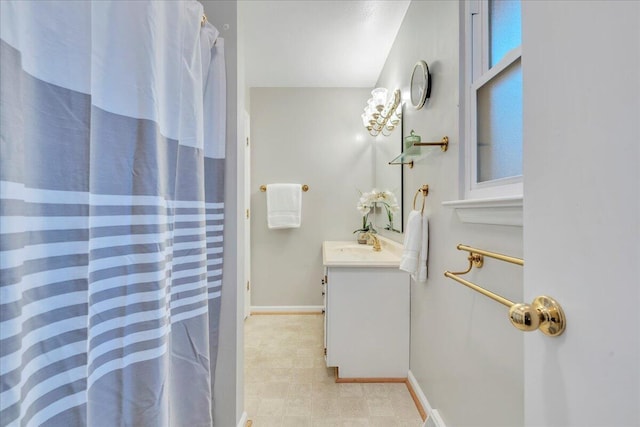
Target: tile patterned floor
[[288, 384]]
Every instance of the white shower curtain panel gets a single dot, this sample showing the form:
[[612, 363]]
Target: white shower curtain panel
[[111, 203]]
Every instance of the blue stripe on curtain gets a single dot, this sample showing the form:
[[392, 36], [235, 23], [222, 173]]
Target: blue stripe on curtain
[[110, 251]]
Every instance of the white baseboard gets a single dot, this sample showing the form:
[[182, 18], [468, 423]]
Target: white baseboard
[[436, 419], [423, 400], [243, 420], [285, 309]]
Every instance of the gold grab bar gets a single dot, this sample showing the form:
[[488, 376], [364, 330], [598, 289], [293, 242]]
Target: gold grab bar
[[543, 313], [305, 188]]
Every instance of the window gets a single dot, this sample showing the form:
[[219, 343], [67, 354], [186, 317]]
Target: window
[[493, 98]]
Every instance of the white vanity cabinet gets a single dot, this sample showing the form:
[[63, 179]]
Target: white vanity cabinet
[[367, 320]]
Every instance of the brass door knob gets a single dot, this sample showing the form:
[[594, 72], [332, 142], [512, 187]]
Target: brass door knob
[[543, 313]]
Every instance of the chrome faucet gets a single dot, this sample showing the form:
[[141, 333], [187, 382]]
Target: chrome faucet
[[376, 242]]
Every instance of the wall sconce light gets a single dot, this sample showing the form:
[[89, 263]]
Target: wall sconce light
[[382, 114]]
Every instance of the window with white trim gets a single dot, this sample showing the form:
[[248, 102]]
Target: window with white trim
[[493, 99]]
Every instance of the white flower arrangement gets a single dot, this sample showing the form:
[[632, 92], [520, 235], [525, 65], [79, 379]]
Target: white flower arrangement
[[372, 198]]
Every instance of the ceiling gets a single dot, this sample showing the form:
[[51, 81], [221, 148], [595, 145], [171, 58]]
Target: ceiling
[[317, 43]]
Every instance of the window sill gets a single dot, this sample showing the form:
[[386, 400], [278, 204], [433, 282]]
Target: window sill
[[496, 211]]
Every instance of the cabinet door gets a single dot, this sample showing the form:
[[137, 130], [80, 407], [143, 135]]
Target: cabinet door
[[368, 317]]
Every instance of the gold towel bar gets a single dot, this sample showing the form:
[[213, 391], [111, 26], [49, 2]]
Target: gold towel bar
[[543, 313], [425, 191], [263, 188], [444, 144], [483, 291], [495, 255]]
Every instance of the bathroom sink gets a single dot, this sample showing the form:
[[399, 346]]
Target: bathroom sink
[[354, 249], [339, 253]]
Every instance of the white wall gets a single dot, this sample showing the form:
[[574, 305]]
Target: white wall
[[313, 137], [581, 72], [465, 354]]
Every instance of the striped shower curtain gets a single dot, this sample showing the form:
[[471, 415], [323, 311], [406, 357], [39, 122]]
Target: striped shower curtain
[[111, 203]]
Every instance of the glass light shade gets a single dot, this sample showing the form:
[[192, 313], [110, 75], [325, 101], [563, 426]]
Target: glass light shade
[[379, 96], [380, 114], [369, 110]]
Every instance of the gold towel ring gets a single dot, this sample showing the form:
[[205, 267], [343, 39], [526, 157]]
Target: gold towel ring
[[425, 191]]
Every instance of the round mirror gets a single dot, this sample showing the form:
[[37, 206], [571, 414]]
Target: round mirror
[[420, 84]]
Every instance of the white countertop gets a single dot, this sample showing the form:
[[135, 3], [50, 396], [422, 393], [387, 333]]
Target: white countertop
[[353, 254]]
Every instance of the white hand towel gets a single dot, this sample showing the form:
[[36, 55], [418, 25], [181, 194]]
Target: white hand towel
[[412, 243], [284, 205], [421, 274]]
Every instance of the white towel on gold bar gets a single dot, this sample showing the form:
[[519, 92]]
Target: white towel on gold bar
[[284, 205]]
